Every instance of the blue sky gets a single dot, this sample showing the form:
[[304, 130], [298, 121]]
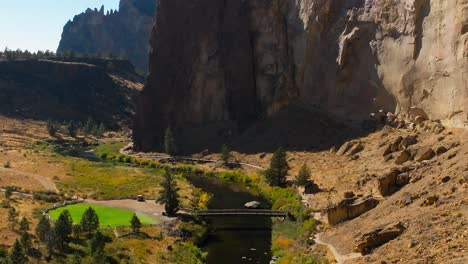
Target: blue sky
[[37, 24]]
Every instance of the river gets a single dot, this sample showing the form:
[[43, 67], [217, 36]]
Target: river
[[234, 239]]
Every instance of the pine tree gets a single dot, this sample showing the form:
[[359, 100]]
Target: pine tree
[[89, 221], [225, 154], [24, 225], [12, 217], [17, 255], [62, 230], [135, 223], [278, 170], [45, 233], [97, 242], [169, 142], [302, 178], [169, 196], [26, 241]]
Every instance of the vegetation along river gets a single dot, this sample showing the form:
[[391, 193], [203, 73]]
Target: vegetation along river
[[235, 239]]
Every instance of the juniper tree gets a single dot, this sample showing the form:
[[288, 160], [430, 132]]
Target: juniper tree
[[169, 196], [278, 170], [302, 178]]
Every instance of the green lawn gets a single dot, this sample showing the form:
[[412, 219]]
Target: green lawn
[[107, 216]]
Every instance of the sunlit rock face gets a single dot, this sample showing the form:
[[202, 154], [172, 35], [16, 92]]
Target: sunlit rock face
[[233, 62], [124, 33]]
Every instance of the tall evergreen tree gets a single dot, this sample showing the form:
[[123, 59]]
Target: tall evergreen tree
[[169, 196], [169, 142], [97, 242], [62, 230], [278, 170], [89, 221], [44, 232], [135, 223], [17, 255]]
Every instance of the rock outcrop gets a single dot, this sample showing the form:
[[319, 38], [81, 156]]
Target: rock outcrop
[[230, 63], [124, 33], [378, 237], [350, 208]]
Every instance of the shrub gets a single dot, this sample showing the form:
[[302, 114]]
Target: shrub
[[47, 196], [7, 165]]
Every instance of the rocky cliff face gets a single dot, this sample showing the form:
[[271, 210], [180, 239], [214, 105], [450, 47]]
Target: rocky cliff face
[[124, 33], [234, 61]]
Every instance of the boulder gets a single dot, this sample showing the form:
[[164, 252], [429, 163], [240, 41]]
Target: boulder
[[416, 112], [406, 142], [419, 119], [386, 184], [396, 144], [356, 148], [378, 237], [403, 157], [425, 153], [402, 179], [252, 205], [388, 157], [344, 148], [387, 150], [348, 194], [333, 149], [413, 152], [441, 150]]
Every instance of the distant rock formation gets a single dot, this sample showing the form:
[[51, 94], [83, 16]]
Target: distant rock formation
[[223, 62], [124, 33]]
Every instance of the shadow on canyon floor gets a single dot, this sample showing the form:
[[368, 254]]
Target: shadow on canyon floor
[[294, 129]]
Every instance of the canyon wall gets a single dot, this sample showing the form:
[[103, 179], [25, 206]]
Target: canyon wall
[[124, 33], [233, 62]]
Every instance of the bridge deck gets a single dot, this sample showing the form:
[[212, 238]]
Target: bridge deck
[[241, 212]]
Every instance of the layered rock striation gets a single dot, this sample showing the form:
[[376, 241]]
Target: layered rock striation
[[234, 62], [124, 33]]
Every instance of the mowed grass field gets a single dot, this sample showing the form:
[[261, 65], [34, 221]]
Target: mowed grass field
[[107, 216]]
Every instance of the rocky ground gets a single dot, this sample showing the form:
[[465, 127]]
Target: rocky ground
[[419, 216]]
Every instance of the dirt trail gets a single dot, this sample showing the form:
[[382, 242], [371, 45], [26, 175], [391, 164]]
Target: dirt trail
[[340, 258], [44, 181]]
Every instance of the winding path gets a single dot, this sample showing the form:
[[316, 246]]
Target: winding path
[[44, 181], [340, 258]]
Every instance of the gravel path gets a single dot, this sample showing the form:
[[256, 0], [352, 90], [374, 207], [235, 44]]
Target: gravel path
[[340, 258]]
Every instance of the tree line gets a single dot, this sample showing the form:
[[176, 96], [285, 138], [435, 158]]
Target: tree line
[[72, 128], [18, 54]]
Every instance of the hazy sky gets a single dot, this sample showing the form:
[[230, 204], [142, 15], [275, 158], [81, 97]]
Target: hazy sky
[[37, 24]]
